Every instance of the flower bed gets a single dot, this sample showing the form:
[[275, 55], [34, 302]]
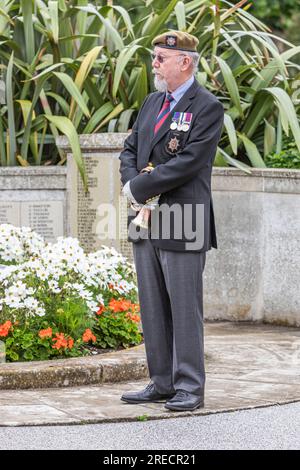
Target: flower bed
[[57, 301]]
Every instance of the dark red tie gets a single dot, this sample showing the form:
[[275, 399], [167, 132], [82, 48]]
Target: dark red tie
[[163, 113]]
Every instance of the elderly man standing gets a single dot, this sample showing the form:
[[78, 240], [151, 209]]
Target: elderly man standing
[[177, 130]]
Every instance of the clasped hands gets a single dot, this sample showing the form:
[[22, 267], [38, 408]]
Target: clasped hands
[[142, 219]]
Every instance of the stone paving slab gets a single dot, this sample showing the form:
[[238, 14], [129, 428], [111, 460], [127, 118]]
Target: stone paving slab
[[248, 366]]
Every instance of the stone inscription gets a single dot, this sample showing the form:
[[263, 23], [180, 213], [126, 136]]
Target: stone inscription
[[45, 217]]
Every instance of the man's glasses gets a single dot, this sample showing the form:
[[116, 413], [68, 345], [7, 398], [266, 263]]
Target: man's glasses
[[161, 58]]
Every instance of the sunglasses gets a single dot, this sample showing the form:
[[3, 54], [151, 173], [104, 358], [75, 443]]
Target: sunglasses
[[162, 58]]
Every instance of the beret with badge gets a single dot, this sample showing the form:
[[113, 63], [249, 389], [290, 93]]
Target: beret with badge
[[178, 40]]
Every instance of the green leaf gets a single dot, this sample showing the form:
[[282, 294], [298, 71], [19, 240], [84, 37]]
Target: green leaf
[[66, 127], [263, 39], [262, 105], [231, 84], [53, 12], [28, 29], [97, 117], [61, 101], [88, 41], [73, 90], [82, 74], [229, 126], [122, 61], [138, 85], [287, 111], [115, 112], [2, 145], [81, 18], [112, 125], [33, 140], [123, 124], [48, 112], [111, 31], [158, 22], [234, 162], [279, 136], [269, 138], [12, 144], [13, 355], [46, 71], [252, 152], [180, 16], [266, 75], [126, 18]]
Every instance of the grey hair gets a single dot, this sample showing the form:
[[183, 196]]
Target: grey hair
[[195, 60]]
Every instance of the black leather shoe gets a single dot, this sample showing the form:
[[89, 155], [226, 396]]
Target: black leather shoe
[[185, 401], [148, 395]]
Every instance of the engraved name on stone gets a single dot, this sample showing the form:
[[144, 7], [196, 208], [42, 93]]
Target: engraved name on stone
[[10, 213], [46, 218]]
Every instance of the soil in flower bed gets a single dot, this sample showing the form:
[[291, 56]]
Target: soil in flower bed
[[94, 350]]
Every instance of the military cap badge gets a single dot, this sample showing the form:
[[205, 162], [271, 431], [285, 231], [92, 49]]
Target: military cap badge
[[171, 41]]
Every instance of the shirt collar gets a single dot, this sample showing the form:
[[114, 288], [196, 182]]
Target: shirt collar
[[179, 92]]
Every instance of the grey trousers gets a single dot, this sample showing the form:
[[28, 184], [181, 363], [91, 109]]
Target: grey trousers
[[171, 301]]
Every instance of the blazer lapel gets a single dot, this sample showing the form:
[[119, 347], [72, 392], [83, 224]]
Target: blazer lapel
[[154, 113], [150, 119], [181, 106]]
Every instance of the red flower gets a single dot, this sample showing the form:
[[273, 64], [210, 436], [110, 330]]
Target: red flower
[[47, 333], [133, 317], [101, 310], [60, 341], [4, 328], [135, 308], [121, 305], [88, 336]]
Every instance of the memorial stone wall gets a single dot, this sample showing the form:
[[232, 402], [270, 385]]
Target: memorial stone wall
[[98, 217], [34, 197]]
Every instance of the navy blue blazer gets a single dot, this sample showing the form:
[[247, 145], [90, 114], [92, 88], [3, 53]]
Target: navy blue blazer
[[182, 172]]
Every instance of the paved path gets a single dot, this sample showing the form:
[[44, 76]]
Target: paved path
[[275, 427], [248, 366]]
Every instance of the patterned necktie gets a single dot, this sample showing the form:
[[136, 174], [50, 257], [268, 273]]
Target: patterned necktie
[[164, 113]]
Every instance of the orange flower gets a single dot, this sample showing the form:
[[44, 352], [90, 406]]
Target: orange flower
[[47, 333], [4, 328], [135, 308], [125, 305], [121, 305], [114, 305], [133, 317], [60, 341], [88, 336], [71, 343], [101, 310]]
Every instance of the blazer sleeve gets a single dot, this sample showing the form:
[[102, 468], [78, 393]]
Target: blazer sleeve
[[199, 152], [128, 156]]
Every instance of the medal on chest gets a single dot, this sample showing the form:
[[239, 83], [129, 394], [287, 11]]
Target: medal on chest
[[181, 121], [175, 121]]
